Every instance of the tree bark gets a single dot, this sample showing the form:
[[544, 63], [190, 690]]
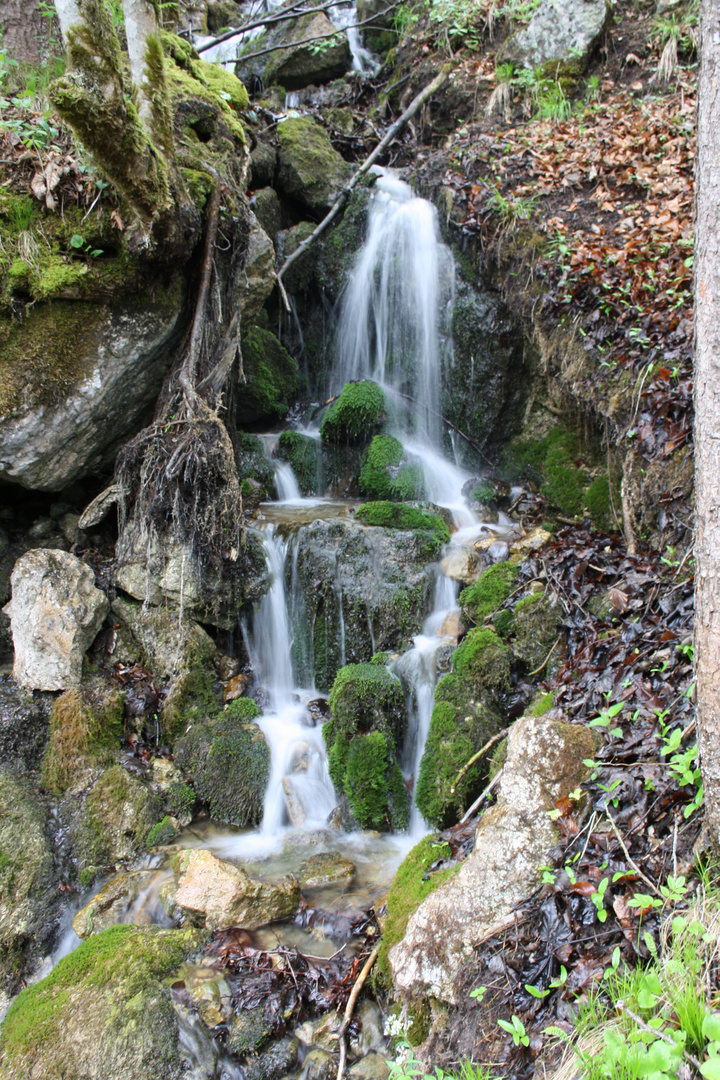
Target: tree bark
[[25, 35], [707, 412], [140, 23], [68, 14]]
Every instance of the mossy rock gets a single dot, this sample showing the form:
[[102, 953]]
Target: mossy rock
[[249, 1031], [105, 1010], [387, 474], [535, 630], [597, 501], [228, 759], [483, 661], [551, 462], [86, 726], [272, 378], [310, 170], [363, 740], [252, 463], [189, 77], [116, 820], [356, 416], [489, 592], [390, 515], [411, 885], [302, 454]]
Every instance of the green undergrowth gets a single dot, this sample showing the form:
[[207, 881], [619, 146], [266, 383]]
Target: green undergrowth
[[356, 416], [489, 592], [411, 885], [483, 659], [386, 474]]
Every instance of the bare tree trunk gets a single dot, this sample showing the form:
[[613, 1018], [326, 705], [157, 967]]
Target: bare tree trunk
[[707, 406], [68, 14], [140, 24]]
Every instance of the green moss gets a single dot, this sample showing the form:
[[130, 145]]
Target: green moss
[[550, 461], [374, 784], [411, 885], [385, 475], [301, 452], [483, 493], [535, 630], [86, 727], [224, 83], [391, 515], [180, 799], [228, 759], [356, 416], [311, 169], [190, 77], [119, 814], [123, 960], [272, 377], [365, 697], [597, 501], [163, 832], [200, 186], [541, 704], [253, 463], [483, 660], [489, 592]]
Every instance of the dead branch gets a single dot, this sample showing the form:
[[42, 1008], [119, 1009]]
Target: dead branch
[[471, 809], [483, 750], [394, 129], [350, 1008], [296, 11]]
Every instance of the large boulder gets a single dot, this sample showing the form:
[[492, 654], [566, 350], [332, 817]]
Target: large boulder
[[310, 171], [296, 65], [544, 763], [561, 32], [77, 378], [271, 378], [105, 1011], [56, 611], [214, 893]]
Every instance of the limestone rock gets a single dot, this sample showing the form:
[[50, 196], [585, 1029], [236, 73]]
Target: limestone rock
[[544, 763], [236, 687], [452, 625], [55, 612], [371, 1067], [560, 32], [214, 893], [112, 903], [311, 170], [532, 541], [163, 637], [293, 805], [258, 278], [276, 1062], [460, 564], [268, 210], [319, 1065], [325, 869]]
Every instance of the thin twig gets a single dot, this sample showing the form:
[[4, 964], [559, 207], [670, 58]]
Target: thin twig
[[471, 809], [537, 669], [630, 860], [658, 1034], [491, 742], [350, 1008], [295, 11]]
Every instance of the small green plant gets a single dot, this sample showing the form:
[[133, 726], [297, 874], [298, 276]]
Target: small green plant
[[598, 899], [77, 243], [551, 102], [606, 717], [510, 208], [516, 1028]]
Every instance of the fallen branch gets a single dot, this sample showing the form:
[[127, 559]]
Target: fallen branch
[[631, 863], [350, 1008], [539, 669], [471, 809], [296, 11], [417, 102], [490, 743], [311, 40]]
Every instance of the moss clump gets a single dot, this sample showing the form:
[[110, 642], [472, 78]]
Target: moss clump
[[535, 630], [252, 463], [356, 416], [390, 515], [484, 493], [489, 592], [411, 885], [190, 77], [163, 832], [550, 461], [541, 704], [272, 377], [194, 688], [483, 661], [104, 1003], [228, 760], [180, 799], [119, 814], [363, 739], [86, 727], [310, 168], [386, 475], [301, 452], [597, 501]]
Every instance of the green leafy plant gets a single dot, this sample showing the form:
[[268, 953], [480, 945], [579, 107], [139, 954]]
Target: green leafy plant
[[77, 243], [516, 1028]]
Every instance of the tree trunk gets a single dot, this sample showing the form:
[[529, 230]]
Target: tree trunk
[[140, 24], [707, 406], [24, 33], [68, 14]]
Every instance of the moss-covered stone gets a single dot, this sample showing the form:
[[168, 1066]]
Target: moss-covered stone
[[363, 740], [597, 501], [550, 461], [302, 453], [228, 760], [412, 883], [535, 629], [86, 726], [356, 416], [483, 661], [489, 592], [252, 463], [390, 515], [118, 815], [387, 474], [310, 168], [272, 378], [105, 1010]]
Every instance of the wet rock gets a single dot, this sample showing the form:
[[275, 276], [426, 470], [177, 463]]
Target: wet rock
[[267, 210], [293, 805], [276, 1062], [324, 1031], [105, 1011], [271, 377], [214, 893], [249, 1030], [23, 726], [116, 819], [370, 1036], [318, 1065], [452, 625], [258, 277], [342, 818], [236, 687], [41, 529], [532, 541], [371, 1067], [544, 763], [55, 613], [310, 169], [498, 552], [253, 494], [561, 33], [112, 903], [536, 622], [300, 760], [263, 161], [461, 565], [297, 65], [70, 528], [325, 869], [210, 993]]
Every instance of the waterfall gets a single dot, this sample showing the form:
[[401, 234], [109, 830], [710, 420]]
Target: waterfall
[[286, 485]]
